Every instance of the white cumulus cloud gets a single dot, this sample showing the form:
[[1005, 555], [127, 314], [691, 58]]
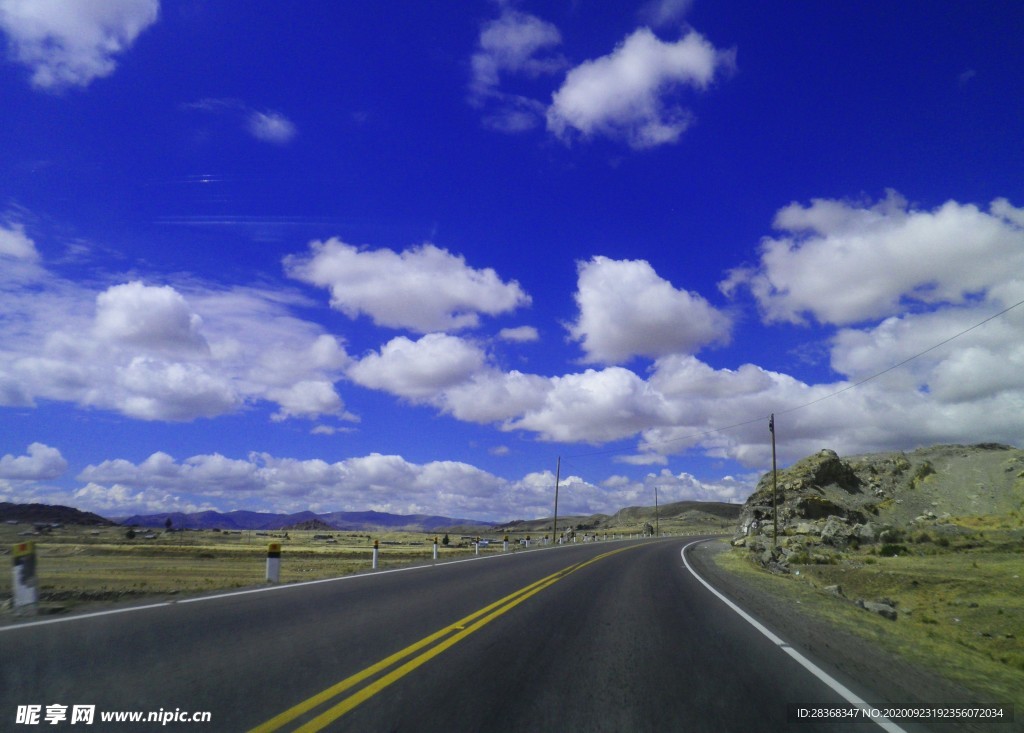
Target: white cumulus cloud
[[594, 407], [163, 353], [423, 289], [844, 263], [68, 44], [630, 93], [627, 310], [42, 463], [419, 370], [154, 317]]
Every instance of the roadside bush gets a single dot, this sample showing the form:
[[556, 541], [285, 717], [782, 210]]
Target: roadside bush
[[922, 537], [923, 471], [892, 550], [942, 542], [799, 558], [890, 536]]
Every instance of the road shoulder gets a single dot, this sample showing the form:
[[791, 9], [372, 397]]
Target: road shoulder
[[885, 677]]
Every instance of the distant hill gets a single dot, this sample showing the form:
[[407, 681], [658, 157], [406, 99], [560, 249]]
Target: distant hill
[[683, 512], [308, 525], [49, 513], [348, 521]]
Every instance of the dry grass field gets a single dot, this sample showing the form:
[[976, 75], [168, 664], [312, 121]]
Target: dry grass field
[[85, 567]]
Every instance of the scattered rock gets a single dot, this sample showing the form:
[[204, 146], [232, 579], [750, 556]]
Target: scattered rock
[[885, 610]]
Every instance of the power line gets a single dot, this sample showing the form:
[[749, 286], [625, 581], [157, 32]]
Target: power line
[[713, 431], [902, 363]]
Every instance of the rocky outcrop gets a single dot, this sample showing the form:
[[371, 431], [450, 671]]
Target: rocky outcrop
[[827, 504]]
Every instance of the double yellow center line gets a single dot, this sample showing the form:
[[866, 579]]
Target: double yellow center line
[[432, 646]]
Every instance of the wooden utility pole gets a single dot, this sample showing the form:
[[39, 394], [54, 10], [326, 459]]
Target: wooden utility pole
[[775, 499], [657, 528], [558, 474]]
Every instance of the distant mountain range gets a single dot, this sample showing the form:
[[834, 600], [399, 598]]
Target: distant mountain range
[[691, 511], [348, 521]]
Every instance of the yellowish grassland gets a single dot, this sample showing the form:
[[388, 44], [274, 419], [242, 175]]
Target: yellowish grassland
[[961, 611]]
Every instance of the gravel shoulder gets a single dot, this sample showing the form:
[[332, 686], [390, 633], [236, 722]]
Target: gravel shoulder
[[874, 672]]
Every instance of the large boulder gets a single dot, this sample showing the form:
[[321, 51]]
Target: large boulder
[[836, 532]]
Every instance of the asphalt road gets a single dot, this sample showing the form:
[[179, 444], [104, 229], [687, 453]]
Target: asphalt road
[[572, 638]]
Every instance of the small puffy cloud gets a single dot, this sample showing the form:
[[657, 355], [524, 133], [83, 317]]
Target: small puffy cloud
[[421, 289], [69, 44], [41, 464], [419, 370], [308, 398], [628, 94], [520, 334], [627, 310], [844, 263], [267, 126], [19, 259], [271, 127], [14, 244], [659, 13], [515, 44]]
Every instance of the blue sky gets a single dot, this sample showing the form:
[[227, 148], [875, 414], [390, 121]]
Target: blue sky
[[403, 256]]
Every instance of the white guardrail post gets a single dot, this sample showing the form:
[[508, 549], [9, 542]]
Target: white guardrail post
[[435, 548], [274, 562], [376, 553], [26, 589]]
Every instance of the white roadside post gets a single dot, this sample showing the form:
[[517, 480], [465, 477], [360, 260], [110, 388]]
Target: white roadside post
[[435, 548], [376, 552], [476, 546], [274, 562], [26, 590], [504, 544]]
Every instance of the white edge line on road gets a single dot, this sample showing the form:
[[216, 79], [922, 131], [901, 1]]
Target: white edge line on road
[[806, 663], [262, 589]]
